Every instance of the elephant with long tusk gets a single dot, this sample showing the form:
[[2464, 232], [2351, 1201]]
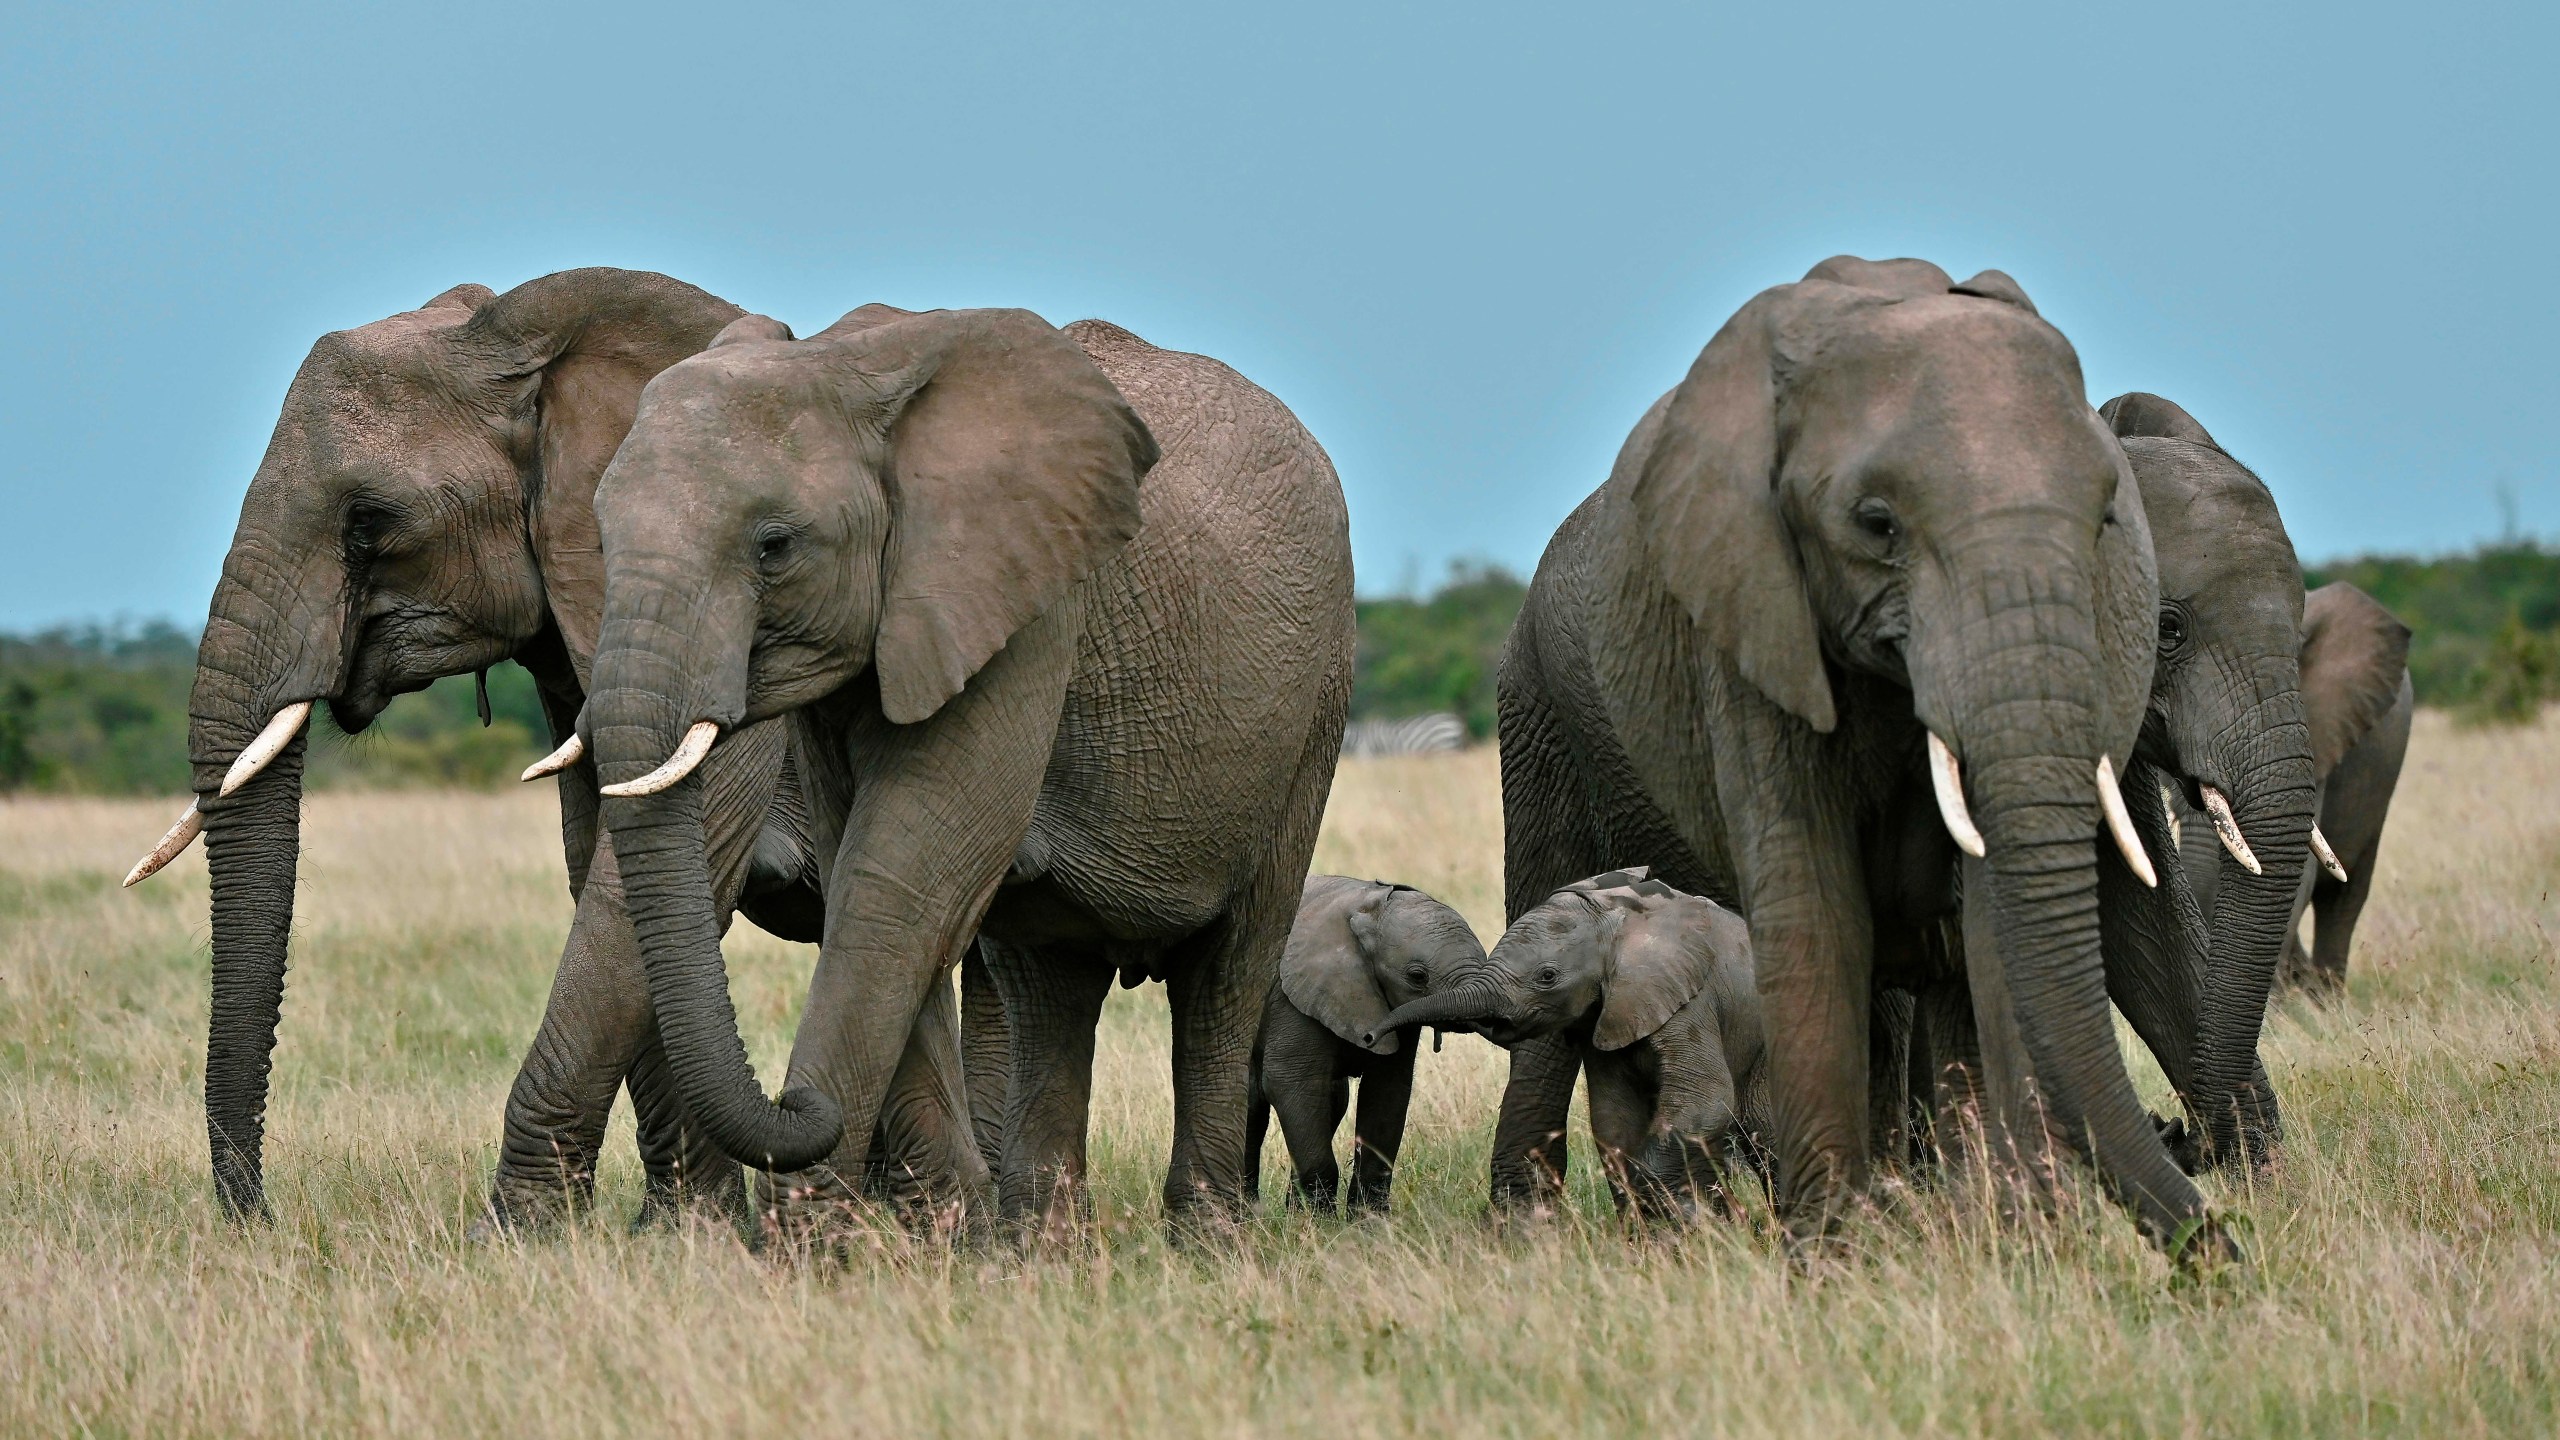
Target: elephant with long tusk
[[424, 509], [2224, 726], [1868, 594]]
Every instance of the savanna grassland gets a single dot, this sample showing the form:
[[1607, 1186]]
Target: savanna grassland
[[2406, 1281]]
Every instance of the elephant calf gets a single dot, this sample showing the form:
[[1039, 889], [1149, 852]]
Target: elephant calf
[[1655, 987], [1358, 949]]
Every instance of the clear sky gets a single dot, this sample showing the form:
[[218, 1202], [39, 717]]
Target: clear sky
[[1468, 244]]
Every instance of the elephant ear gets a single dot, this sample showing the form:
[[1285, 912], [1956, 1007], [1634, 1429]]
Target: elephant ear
[[2355, 654], [577, 348], [1704, 494], [1662, 956], [1325, 970], [1012, 473], [2138, 412], [1996, 285]]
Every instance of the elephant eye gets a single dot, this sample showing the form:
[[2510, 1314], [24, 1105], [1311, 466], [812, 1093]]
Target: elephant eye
[[1547, 978], [366, 522], [1417, 976], [2173, 630], [773, 550], [1877, 519]]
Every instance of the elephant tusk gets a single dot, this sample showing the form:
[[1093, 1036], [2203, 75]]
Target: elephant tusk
[[2169, 807], [2120, 824], [1946, 778], [696, 744], [2218, 805], [570, 752], [2328, 857], [288, 722], [171, 846]]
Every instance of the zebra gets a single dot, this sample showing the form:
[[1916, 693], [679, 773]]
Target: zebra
[[1432, 734]]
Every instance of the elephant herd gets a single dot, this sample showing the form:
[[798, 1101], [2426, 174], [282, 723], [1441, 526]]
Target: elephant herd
[[1850, 736]]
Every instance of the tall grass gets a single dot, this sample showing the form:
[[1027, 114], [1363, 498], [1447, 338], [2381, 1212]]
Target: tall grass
[[2408, 1250]]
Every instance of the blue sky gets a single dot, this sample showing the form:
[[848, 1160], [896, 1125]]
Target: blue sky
[[1467, 243]]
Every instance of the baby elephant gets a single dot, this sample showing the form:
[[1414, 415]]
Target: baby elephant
[[1657, 987], [1358, 950]]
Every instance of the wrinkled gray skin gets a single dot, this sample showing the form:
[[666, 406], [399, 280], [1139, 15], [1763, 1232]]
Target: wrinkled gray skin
[[2355, 685], [1879, 502], [423, 510], [1358, 950], [1092, 753], [1655, 991]]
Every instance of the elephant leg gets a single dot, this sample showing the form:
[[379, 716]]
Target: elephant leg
[[1217, 989], [683, 1169], [1218, 982], [1529, 1153], [1621, 1116], [563, 1093], [1053, 1000], [929, 1164], [1948, 1056], [598, 1021], [1386, 1092], [2335, 909], [1257, 1128], [1889, 1097], [985, 1051], [1311, 1107]]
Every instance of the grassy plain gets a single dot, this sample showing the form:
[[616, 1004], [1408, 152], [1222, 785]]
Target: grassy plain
[[2407, 1279]]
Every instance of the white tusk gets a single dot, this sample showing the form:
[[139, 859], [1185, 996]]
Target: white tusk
[[2328, 857], [1946, 777], [558, 760], [2120, 824], [288, 722], [171, 846], [2217, 805], [689, 753], [2169, 807]]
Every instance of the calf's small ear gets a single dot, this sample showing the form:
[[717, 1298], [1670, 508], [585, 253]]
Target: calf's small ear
[[1659, 960], [1325, 970], [2139, 412]]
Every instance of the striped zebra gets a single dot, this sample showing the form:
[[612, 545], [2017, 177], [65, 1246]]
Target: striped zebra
[[1432, 734]]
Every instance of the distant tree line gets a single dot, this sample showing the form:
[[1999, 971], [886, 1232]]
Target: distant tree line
[[102, 709]]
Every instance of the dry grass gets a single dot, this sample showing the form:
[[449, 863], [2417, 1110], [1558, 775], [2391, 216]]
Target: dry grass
[[2408, 1279]]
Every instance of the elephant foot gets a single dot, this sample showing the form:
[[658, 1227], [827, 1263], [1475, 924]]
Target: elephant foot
[[525, 1205]]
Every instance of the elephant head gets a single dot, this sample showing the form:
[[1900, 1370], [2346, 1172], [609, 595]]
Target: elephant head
[[888, 501], [2226, 720], [1619, 953], [1359, 949], [1881, 478], [423, 510]]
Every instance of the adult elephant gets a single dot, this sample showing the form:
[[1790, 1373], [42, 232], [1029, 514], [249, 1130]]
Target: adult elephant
[[425, 508], [1087, 723], [1876, 557], [2359, 704], [2224, 728]]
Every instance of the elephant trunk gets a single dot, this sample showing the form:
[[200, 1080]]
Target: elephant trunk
[[641, 706], [2017, 687], [1461, 1007], [2273, 798], [253, 839]]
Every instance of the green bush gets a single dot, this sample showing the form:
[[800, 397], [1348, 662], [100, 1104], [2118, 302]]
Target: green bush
[[1437, 652]]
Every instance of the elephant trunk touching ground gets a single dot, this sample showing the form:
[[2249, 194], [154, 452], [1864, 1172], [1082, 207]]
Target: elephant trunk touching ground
[[274, 641], [2009, 686], [645, 716]]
